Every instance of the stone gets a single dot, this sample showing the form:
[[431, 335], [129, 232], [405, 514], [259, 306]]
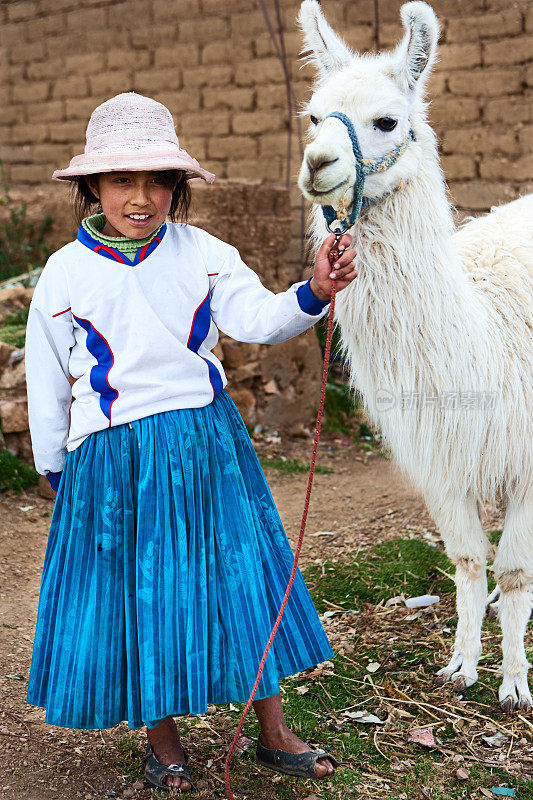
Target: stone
[[13, 377], [44, 488], [14, 415], [5, 352]]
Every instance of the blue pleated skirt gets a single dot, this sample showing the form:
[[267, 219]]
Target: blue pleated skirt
[[164, 571]]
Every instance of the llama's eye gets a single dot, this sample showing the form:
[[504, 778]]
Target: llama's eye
[[385, 123], [314, 120]]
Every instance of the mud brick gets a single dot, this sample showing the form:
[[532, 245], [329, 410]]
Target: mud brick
[[223, 6], [51, 68], [163, 10], [448, 110], [81, 108], [30, 173], [23, 9], [274, 96], [25, 133], [509, 110], [51, 154], [74, 86], [234, 98], [31, 91], [128, 59], [32, 51], [486, 82], [232, 147], [508, 51], [181, 55], [213, 123], [508, 21], [206, 76], [481, 138], [459, 56], [63, 132], [15, 154], [200, 31], [247, 24], [180, 101], [51, 111], [224, 51], [257, 122], [525, 137], [152, 81], [120, 14], [458, 167], [262, 70], [252, 169], [45, 26], [87, 19], [111, 83], [480, 195], [502, 169], [82, 63]]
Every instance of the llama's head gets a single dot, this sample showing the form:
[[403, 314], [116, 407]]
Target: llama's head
[[381, 94]]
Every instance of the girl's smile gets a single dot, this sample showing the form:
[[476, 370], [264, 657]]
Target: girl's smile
[[135, 204]]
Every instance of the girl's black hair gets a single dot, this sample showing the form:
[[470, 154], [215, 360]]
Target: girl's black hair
[[85, 202]]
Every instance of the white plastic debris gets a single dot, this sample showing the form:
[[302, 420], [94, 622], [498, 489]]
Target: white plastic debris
[[423, 600]]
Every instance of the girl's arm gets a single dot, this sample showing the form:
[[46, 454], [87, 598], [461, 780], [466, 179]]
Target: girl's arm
[[247, 311], [49, 339]]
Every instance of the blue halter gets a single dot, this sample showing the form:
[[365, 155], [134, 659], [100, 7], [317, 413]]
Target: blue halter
[[364, 167]]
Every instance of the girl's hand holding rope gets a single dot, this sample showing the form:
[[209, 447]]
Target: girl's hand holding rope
[[342, 271]]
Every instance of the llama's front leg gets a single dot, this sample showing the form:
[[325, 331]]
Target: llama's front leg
[[471, 599], [513, 568], [458, 521]]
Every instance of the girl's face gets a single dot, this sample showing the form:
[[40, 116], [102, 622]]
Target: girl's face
[[135, 203]]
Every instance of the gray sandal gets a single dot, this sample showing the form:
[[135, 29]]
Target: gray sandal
[[155, 772], [299, 765]]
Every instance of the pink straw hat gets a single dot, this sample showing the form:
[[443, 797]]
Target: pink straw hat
[[131, 132]]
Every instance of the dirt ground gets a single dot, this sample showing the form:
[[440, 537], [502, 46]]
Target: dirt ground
[[362, 501]]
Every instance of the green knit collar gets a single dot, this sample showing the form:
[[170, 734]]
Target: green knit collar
[[123, 244]]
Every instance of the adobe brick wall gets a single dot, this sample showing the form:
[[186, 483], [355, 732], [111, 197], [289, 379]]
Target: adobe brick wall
[[213, 64]]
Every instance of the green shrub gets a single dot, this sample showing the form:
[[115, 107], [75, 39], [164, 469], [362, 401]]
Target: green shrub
[[15, 475], [22, 246], [13, 328]]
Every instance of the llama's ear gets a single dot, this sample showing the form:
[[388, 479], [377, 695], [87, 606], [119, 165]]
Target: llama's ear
[[416, 51], [328, 51]]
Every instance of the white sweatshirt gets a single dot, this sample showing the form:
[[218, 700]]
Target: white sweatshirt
[[138, 337]]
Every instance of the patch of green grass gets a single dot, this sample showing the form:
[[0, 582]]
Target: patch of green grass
[[410, 652], [15, 475], [494, 535], [128, 758], [13, 328], [384, 571], [290, 465], [341, 406]]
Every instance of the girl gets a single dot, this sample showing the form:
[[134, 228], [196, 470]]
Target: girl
[[166, 560]]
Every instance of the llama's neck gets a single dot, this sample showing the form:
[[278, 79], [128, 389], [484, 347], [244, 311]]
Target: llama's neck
[[411, 319]]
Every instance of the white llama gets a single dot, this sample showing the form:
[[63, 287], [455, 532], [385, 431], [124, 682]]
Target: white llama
[[438, 325]]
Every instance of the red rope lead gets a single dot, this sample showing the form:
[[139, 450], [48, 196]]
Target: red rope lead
[[333, 256]]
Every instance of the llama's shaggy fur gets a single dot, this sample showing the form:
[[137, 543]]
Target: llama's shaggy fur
[[437, 327]]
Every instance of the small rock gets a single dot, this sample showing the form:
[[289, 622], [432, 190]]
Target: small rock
[[138, 785], [462, 774]]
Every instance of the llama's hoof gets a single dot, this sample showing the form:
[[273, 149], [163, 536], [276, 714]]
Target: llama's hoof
[[514, 694], [461, 683], [507, 704], [457, 671]]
